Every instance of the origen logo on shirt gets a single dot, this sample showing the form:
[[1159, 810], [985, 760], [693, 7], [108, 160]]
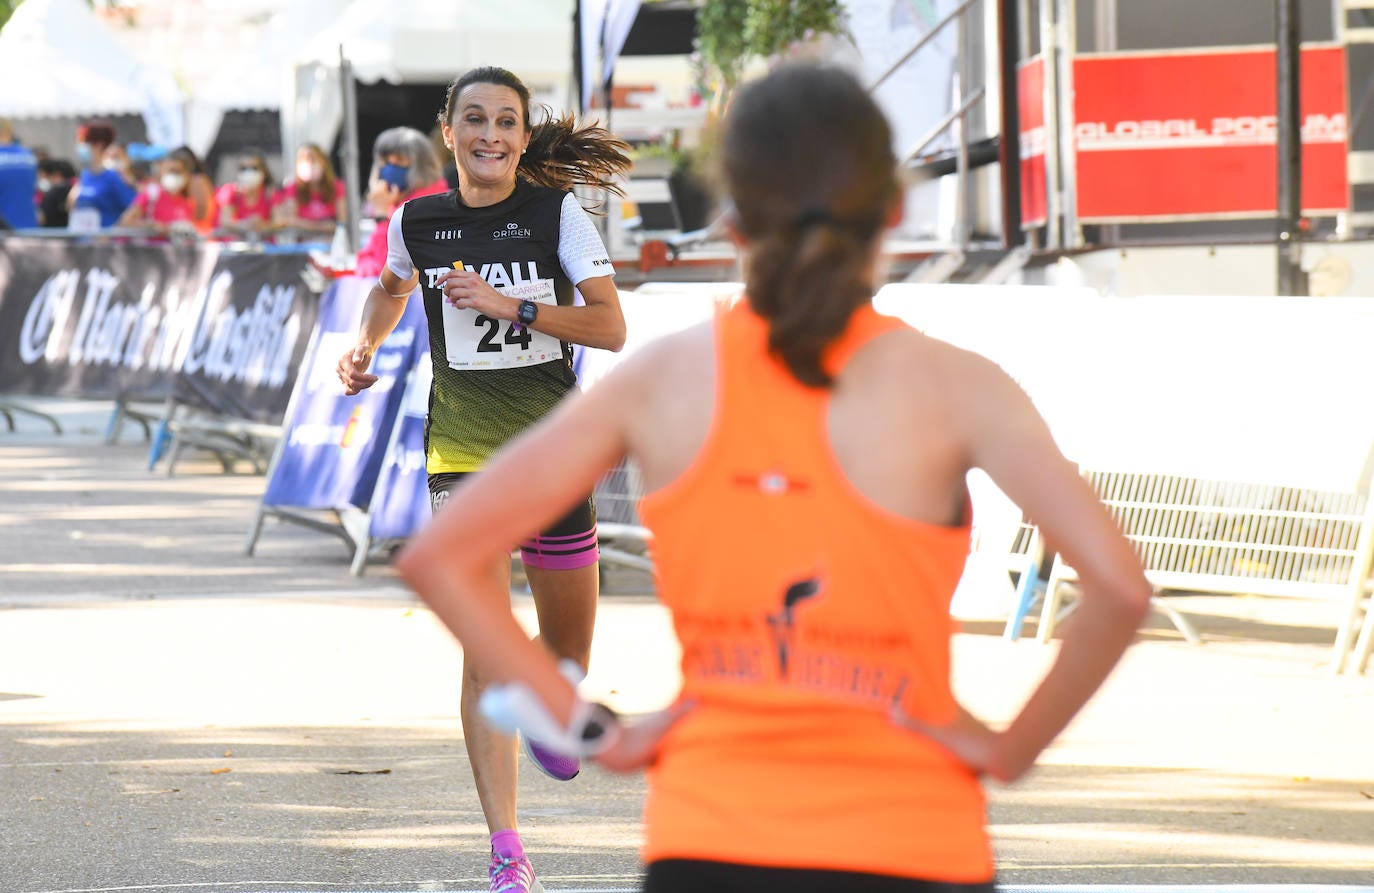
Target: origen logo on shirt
[[512, 231], [447, 235]]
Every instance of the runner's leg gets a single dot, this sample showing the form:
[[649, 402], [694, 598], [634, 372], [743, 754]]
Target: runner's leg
[[561, 566], [565, 602], [491, 753]]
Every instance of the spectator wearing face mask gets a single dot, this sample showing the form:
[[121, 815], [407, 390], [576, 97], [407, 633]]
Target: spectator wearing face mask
[[245, 203], [405, 166], [18, 179], [313, 202], [177, 203], [56, 178], [104, 190]]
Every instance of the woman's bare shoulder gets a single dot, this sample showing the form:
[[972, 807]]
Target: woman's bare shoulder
[[665, 356], [908, 353]]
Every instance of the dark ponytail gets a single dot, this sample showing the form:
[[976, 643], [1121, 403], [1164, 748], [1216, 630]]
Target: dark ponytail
[[807, 284], [561, 155], [807, 160]]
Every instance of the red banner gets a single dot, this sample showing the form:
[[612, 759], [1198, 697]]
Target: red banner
[[1030, 100], [1193, 135]]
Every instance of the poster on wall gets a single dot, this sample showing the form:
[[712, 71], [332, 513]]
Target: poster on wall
[[1186, 135]]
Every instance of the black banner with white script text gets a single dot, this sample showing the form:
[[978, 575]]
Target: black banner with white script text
[[251, 337], [97, 320], [221, 330]]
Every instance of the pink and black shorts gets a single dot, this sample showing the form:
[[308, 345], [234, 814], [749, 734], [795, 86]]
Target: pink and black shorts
[[568, 544]]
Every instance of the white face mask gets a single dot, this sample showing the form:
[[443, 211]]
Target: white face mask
[[307, 171], [173, 182], [44, 185], [111, 164], [250, 179]]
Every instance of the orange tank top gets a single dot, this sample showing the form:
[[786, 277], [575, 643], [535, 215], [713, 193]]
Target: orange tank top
[[804, 611]]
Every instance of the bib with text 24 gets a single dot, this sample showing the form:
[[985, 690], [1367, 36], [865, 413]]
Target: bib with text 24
[[476, 341]]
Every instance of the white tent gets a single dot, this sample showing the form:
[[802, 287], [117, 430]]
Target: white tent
[[433, 41], [428, 42], [58, 60], [261, 79]]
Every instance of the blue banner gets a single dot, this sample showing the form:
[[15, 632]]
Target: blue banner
[[333, 445], [402, 504]]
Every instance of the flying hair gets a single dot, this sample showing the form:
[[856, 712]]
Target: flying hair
[[561, 154]]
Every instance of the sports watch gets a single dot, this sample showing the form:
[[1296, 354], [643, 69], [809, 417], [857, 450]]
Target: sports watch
[[528, 312]]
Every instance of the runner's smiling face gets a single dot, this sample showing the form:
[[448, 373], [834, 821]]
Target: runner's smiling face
[[487, 135]]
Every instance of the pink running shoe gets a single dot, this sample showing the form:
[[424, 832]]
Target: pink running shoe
[[512, 875], [555, 766]]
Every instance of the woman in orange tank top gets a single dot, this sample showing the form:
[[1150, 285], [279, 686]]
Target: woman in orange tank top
[[805, 462]]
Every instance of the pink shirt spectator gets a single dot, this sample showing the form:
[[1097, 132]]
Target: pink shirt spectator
[[160, 206], [373, 256], [240, 208], [315, 209]]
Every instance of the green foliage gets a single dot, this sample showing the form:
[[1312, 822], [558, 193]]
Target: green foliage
[[732, 33], [7, 8], [721, 39]]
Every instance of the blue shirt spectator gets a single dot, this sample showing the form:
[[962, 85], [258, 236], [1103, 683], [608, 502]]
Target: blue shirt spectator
[[18, 180], [107, 191], [103, 186]]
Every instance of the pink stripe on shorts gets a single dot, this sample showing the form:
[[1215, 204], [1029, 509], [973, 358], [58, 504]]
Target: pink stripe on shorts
[[561, 553]]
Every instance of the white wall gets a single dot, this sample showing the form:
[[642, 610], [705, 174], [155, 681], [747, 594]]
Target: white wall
[[1344, 269]]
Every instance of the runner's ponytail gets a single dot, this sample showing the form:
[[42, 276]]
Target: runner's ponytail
[[807, 161]]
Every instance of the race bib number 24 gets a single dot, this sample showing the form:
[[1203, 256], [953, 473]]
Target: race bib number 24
[[474, 340]]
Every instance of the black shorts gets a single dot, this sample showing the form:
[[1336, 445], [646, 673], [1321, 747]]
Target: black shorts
[[693, 875], [569, 543]]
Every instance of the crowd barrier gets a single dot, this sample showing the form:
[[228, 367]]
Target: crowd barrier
[[1224, 432], [189, 339], [353, 467], [1237, 537]]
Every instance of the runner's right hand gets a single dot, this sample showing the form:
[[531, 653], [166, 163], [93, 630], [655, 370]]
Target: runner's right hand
[[352, 370]]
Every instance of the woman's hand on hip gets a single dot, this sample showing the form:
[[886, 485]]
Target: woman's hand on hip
[[636, 745], [965, 736]]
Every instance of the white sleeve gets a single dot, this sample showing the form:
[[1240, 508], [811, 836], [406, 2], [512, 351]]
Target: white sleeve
[[580, 250], [397, 255]]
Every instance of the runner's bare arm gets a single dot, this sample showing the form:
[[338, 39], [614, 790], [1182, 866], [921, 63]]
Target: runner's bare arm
[[381, 312], [1011, 442]]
